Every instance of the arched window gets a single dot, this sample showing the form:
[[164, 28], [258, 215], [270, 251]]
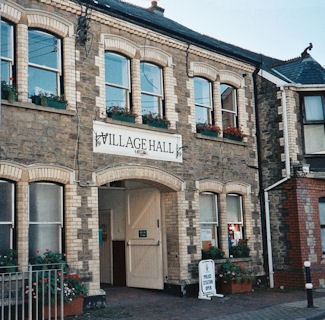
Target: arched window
[[234, 218], [321, 204], [7, 207], [117, 81], [44, 64], [228, 105], [203, 101], [45, 217], [209, 220], [7, 52], [152, 91]]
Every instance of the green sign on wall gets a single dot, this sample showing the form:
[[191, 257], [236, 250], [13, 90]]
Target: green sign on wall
[[142, 233]]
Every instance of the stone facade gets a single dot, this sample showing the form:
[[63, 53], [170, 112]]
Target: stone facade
[[40, 143]]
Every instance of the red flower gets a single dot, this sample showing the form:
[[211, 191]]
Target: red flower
[[47, 249], [11, 78], [236, 262], [37, 251]]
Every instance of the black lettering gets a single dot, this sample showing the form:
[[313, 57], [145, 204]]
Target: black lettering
[[143, 144], [114, 144], [136, 144], [129, 142], [159, 146], [152, 143], [120, 144], [170, 148]]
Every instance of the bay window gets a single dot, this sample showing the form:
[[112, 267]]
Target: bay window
[[208, 220], [228, 105], [45, 217], [44, 64], [234, 218], [152, 96], [117, 81], [7, 196], [7, 49], [314, 124], [321, 204], [203, 101]]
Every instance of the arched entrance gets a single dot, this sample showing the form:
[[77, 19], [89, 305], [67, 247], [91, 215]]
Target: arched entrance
[[134, 202]]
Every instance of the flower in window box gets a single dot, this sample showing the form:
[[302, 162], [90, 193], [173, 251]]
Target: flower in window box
[[155, 120], [8, 259], [49, 100], [213, 253], [8, 91], [234, 133], [208, 130], [121, 114], [241, 250]]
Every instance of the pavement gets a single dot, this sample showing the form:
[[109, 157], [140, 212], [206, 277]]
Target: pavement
[[262, 304]]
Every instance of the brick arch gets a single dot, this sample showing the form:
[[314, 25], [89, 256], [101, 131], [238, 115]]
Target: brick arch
[[156, 55], [11, 171], [139, 172], [50, 22], [11, 11], [237, 187], [210, 185], [119, 44], [50, 173], [231, 78], [204, 70]]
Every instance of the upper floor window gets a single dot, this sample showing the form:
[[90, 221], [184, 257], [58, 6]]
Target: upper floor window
[[234, 218], [203, 101], [228, 105], [322, 221], [208, 220], [151, 89], [44, 64], [7, 208], [45, 217], [314, 124], [117, 80], [7, 48]]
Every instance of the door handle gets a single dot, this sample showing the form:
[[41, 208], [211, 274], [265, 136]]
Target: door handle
[[143, 244]]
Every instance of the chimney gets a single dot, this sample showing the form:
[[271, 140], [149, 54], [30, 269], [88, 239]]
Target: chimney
[[156, 9]]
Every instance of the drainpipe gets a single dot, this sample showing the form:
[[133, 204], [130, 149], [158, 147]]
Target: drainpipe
[[266, 191]]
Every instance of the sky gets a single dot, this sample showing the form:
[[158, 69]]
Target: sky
[[278, 28]]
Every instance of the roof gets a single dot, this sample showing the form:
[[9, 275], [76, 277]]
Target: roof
[[301, 70]]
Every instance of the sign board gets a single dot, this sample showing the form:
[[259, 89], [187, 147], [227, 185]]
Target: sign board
[[142, 233], [207, 280], [133, 142]]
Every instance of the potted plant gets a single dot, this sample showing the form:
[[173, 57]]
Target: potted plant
[[234, 278], [208, 130], [9, 260], [8, 91], [213, 253], [241, 250], [234, 133], [121, 114], [52, 101], [155, 120]]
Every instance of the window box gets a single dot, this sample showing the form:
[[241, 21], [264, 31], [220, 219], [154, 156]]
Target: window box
[[207, 130], [49, 102], [235, 287], [233, 137], [8, 92], [210, 133], [233, 133], [74, 308], [159, 123], [123, 117]]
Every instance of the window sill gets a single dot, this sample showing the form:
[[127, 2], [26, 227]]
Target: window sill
[[223, 260], [31, 106], [138, 125], [224, 140]]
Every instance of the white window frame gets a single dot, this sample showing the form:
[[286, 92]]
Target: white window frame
[[10, 60], [241, 223], [60, 223], [216, 212], [160, 96], [208, 107], [235, 113], [12, 222], [59, 57], [127, 89]]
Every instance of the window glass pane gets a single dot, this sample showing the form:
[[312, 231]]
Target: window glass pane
[[5, 74], [201, 115], [4, 238], [314, 108], [43, 49], [43, 237], [149, 104], [45, 202], [208, 235], [116, 97], [233, 208], [202, 92], [150, 78], [322, 212], [6, 40], [314, 138], [116, 69], [6, 201], [207, 208], [42, 81], [228, 97], [228, 119]]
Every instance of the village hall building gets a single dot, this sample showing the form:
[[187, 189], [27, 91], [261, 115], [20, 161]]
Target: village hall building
[[129, 203]]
